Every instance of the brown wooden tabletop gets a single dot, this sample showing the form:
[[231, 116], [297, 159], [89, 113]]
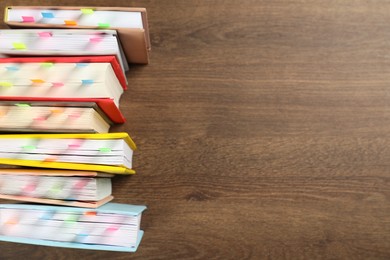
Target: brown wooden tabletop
[[263, 131]]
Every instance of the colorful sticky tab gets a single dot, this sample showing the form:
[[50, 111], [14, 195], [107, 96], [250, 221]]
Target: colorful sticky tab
[[76, 143], [104, 149], [47, 215], [19, 46], [45, 34], [81, 64], [28, 19], [37, 81], [29, 187], [12, 221], [47, 64], [39, 118], [96, 39], [90, 213], [47, 15], [103, 25], [51, 159], [87, 81], [22, 105], [86, 10], [80, 184], [5, 84], [29, 147], [70, 22], [73, 146], [57, 84], [74, 115], [112, 228], [71, 219], [57, 111], [80, 237], [12, 68]]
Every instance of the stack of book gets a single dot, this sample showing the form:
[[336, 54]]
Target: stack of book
[[62, 74]]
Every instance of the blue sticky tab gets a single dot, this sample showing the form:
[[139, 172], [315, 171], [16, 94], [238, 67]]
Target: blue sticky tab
[[80, 65], [47, 215], [12, 68], [87, 81], [47, 15]]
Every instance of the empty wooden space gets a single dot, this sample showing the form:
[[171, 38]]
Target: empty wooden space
[[263, 131]]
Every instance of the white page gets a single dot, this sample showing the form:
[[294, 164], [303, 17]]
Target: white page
[[118, 19], [61, 42]]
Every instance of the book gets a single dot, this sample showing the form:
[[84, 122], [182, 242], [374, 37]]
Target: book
[[79, 61], [110, 152], [60, 80], [63, 117], [107, 105], [58, 187], [111, 227], [131, 23], [61, 42]]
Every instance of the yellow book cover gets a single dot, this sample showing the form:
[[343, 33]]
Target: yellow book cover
[[69, 151]]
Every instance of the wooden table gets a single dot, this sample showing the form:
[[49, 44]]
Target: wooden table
[[263, 130]]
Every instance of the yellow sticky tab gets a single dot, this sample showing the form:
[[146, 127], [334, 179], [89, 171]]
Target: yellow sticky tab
[[70, 22], [19, 46], [86, 10], [5, 84]]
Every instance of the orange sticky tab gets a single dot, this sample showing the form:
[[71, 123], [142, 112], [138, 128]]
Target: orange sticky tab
[[57, 110], [37, 81], [51, 159], [70, 22], [90, 213], [12, 222]]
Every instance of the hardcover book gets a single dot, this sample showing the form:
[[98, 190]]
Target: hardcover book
[[110, 152], [58, 187], [113, 226], [131, 23]]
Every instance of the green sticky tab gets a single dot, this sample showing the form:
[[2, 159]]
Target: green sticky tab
[[71, 219], [29, 147], [56, 188], [5, 84], [105, 149], [86, 10], [22, 105], [103, 25], [19, 46], [47, 64]]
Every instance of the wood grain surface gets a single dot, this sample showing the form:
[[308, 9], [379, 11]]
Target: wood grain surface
[[263, 130]]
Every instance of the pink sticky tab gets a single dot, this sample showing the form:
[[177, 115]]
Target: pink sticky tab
[[57, 84], [112, 228], [96, 39], [73, 146], [45, 34], [80, 184], [76, 144], [41, 118], [28, 19], [29, 188], [74, 115]]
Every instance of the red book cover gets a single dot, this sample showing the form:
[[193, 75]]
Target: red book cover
[[74, 59]]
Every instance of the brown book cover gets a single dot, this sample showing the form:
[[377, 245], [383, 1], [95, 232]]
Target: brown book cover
[[61, 173]]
